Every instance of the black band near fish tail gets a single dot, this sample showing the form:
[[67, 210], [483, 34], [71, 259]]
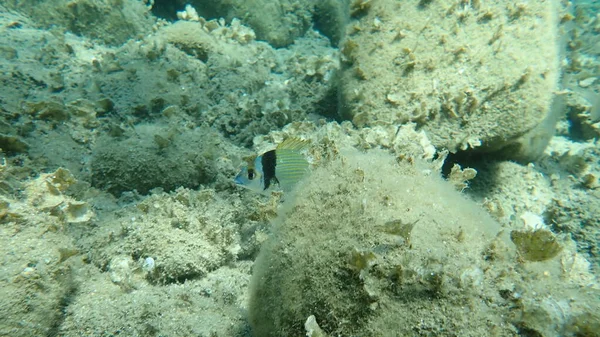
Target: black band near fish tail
[[269, 161]]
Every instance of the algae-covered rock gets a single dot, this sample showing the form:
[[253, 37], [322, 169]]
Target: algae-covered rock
[[35, 283], [109, 21], [47, 193], [372, 245], [575, 207], [279, 22], [187, 235], [369, 246], [207, 307], [472, 73], [39, 258], [156, 157], [217, 74]]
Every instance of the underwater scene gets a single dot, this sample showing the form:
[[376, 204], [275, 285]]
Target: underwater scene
[[319, 168]]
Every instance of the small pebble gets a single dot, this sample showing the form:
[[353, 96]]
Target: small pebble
[[148, 265]]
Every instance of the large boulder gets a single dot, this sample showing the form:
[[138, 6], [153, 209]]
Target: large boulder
[[369, 246], [473, 74]]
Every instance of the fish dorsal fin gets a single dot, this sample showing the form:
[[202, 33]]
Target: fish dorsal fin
[[293, 143]]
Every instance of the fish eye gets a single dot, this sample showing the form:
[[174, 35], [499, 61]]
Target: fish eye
[[250, 174]]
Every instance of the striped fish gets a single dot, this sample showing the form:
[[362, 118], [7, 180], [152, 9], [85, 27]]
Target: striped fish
[[278, 169]]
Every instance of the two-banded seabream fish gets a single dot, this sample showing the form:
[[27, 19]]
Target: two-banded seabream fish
[[277, 169]]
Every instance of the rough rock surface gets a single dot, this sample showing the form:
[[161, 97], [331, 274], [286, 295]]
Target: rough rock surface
[[471, 73]]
